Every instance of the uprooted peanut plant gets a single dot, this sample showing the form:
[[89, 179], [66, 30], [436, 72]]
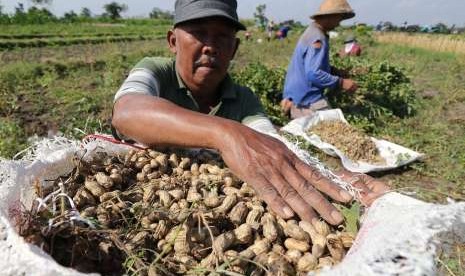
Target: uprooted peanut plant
[[171, 213]]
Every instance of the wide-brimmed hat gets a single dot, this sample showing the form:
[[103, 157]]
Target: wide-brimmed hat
[[187, 10], [329, 7]]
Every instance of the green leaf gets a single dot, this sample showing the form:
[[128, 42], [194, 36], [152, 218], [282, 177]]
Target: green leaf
[[351, 216]]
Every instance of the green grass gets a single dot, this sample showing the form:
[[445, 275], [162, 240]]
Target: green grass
[[273, 53], [64, 30], [82, 53], [12, 137], [61, 34], [67, 96], [30, 43], [432, 130]]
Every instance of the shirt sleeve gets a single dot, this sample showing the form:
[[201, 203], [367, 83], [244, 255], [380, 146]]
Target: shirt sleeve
[[139, 81], [147, 77], [313, 63], [260, 123], [254, 114]]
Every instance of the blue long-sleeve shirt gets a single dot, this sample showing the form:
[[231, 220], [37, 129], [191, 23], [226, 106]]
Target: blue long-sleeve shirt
[[308, 73]]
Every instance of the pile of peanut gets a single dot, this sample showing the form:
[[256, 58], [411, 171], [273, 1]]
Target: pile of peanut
[[183, 213], [354, 143]]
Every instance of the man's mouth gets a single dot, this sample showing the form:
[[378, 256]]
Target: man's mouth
[[206, 61]]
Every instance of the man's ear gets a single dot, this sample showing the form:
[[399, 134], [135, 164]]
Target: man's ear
[[236, 46], [171, 37]]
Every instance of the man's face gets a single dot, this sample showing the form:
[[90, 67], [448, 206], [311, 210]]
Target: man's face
[[330, 22], [203, 51]]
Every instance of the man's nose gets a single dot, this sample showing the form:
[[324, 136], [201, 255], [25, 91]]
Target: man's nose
[[210, 46]]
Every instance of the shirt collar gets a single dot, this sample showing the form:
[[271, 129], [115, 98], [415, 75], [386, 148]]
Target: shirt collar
[[178, 77], [226, 87]]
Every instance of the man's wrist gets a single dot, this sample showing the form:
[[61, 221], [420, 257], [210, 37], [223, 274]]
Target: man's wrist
[[225, 129]]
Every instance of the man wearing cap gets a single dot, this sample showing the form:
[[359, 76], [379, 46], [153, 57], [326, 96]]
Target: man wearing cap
[[309, 72], [191, 101]]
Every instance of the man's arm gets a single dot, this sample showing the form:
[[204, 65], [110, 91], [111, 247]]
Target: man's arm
[[312, 63], [280, 178], [321, 79]]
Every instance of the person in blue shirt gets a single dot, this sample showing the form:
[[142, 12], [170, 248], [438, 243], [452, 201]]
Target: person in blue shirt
[[282, 32], [309, 72]]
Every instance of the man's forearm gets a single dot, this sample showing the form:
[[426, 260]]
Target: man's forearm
[[154, 121], [322, 79]]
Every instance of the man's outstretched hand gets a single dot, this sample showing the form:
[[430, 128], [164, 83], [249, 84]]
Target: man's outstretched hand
[[285, 182], [279, 177]]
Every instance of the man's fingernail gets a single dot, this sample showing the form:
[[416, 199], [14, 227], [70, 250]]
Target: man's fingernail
[[337, 217], [288, 212], [345, 195]]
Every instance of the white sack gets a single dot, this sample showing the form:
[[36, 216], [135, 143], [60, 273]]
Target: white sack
[[395, 155], [48, 160], [402, 236]]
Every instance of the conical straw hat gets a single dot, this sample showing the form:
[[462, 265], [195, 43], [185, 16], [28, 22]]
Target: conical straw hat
[[335, 7]]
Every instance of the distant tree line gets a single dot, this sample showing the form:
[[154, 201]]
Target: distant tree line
[[39, 14], [439, 28]]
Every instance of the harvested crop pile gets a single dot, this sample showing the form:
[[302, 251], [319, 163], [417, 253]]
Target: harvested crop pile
[[155, 213], [354, 143]]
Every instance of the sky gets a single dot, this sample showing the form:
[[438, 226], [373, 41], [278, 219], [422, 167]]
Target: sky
[[368, 11]]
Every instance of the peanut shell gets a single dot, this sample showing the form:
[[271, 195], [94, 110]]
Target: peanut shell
[[307, 263], [302, 246]]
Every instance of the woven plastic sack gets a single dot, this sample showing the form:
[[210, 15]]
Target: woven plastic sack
[[49, 159], [400, 235], [395, 155]]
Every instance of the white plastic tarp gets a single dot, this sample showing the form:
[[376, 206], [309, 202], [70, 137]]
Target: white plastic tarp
[[395, 155]]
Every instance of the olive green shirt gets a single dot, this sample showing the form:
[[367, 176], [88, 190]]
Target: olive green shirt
[[158, 77]]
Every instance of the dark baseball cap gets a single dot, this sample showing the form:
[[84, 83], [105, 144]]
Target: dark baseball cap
[[186, 10]]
